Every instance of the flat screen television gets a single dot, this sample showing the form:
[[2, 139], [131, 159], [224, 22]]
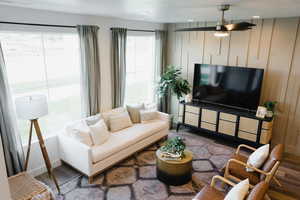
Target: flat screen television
[[237, 87]]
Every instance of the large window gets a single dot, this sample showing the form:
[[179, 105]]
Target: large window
[[140, 68], [45, 63]]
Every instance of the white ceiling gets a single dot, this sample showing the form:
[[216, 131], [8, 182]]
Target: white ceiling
[[166, 10]]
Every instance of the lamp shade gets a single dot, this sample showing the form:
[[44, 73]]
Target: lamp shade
[[31, 107]]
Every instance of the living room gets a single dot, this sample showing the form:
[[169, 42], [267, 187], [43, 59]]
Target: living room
[[136, 69]]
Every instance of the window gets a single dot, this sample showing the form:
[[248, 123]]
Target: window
[[44, 63], [140, 68]]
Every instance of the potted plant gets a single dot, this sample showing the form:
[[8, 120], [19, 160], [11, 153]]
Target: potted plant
[[270, 105], [173, 148], [171, 82]]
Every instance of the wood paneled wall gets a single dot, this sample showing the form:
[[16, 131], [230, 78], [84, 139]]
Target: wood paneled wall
[[274, 45]]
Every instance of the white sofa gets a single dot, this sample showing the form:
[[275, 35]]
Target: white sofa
[[92, 160]]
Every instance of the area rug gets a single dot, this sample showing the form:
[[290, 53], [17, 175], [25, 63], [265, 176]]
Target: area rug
[[135, 178]]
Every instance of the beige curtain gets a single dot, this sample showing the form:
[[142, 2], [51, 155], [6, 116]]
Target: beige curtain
[[119, 37], [90, 69], [160, 65], [11, 141]]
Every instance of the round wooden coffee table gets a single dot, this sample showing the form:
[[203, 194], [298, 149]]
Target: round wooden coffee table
[[174, 172]]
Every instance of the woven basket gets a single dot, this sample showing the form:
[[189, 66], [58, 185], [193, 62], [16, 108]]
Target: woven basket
[[25, 187]]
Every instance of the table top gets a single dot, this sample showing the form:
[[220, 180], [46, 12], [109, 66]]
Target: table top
[[188, 156]]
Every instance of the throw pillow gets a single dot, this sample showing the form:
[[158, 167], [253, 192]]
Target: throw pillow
[[239, 191], [134, 112], [93, 119], [81, 132], [148, 115], [258, 157], [150, 106], [99, 132], [119, 121], [106, 115]]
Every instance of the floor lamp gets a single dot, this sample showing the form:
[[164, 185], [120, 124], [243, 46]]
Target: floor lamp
[[32, 108]]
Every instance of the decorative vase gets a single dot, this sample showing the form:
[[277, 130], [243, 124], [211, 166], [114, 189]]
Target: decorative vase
[[188, 98], [269, 113]]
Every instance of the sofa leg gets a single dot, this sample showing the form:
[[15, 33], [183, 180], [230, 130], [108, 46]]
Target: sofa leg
[[90, 179]]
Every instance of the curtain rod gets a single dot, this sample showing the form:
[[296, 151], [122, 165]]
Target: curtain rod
[[138, 30], [31, 24]]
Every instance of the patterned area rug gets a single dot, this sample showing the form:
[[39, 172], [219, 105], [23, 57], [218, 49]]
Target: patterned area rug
[[135, 178]]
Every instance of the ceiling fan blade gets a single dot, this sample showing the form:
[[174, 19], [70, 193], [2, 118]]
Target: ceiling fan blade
[[239, 26], [210, 28]]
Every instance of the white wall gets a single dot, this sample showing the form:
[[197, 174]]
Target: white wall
[[4, 188], [14, 14]]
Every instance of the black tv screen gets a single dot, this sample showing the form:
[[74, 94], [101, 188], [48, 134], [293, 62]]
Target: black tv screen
[[238, 87]]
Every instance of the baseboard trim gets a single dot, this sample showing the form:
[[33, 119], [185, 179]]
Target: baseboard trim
[[42, 169]]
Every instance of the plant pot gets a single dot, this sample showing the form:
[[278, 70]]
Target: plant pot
[[270, 113]]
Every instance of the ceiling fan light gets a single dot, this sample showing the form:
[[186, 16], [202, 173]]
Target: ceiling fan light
[[221, 34]]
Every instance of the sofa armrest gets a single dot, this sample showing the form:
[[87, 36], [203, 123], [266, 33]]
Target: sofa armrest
[[75, 153], [163, 116]]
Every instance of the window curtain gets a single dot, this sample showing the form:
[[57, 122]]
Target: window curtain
[[90, 69], [11, 141], [160, 65], [119, 36]]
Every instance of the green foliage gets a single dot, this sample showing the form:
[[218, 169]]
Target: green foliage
[[174, 146], [270, 105], [172, 82]]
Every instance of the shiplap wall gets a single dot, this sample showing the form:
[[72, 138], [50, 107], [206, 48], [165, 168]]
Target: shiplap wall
[[274, 45]]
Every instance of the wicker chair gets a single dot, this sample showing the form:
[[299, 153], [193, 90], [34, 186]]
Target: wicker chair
[[210, 192], [236, 167]]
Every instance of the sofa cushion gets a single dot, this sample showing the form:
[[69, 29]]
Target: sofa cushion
[[80, 131], [119, 121], [108, 114], [99, 132], [125, 138], [93, 119], [134, 112], [148, 115]]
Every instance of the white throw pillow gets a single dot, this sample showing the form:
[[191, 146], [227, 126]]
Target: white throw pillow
[[148, 115], [150, 106], [119, 121], [99, 132], [258, 157], [93, 119], [134, 112], [239, 191], [81, 132]]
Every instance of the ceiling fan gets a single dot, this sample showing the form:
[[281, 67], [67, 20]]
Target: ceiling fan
[[222, 29]]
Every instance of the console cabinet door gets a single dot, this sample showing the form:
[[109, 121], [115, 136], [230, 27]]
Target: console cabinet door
[[192, 109], [228, 117], [248, 125], [227, 128], [208, 126], [191, 119], [209, 116]]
